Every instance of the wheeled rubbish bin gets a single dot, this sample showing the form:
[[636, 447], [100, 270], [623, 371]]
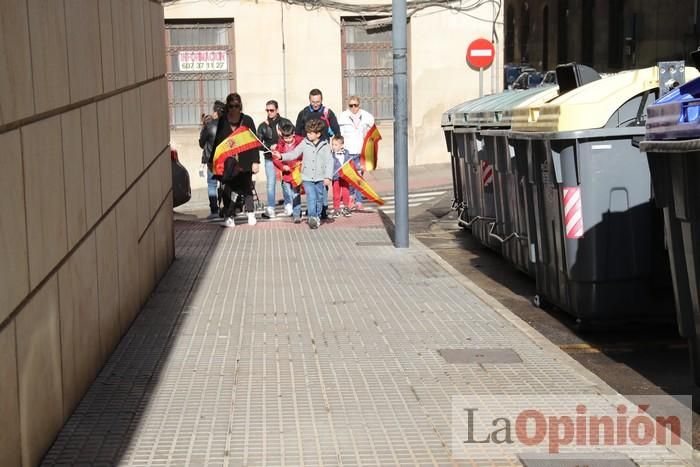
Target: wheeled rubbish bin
[[447, 124], [598, 248], [672, 147]]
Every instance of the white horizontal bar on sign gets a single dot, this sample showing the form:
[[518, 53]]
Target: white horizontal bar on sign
[[481, 53]]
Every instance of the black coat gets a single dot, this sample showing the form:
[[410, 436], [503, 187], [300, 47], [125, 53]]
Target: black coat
[[307, 113], [225, 128]]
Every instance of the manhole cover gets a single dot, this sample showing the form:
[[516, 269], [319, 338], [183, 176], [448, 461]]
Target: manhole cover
[[599, 459], [385, 243], [480, 356]]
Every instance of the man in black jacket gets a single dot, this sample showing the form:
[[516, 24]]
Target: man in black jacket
[[316, 110], [268, 132], [240, 183], [206, 142]]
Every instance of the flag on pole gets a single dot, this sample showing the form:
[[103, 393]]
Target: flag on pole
[[349, 173], [370, 149], [243, 139], [296, 175]]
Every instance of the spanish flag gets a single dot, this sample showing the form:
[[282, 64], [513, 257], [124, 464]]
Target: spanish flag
[[296, 175], [370, 149], [243, 139], [349, 172]]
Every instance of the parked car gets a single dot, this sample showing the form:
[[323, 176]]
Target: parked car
[[182, 192], [527, 80], [511, 72]]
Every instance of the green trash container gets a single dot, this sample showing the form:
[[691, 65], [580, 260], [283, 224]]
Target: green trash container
[[598, 248], [468, 147], [509, 228], [672, 148]]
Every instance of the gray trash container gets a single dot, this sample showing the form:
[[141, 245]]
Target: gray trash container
[[447, 124], [598, 247], [672, 147]]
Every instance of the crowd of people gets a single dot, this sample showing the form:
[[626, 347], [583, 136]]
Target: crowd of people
[[316, 147]]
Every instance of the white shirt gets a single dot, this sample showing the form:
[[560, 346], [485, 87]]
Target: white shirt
[[354, 127]]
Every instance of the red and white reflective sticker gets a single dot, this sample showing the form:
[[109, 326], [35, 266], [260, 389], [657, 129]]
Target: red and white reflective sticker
[[573, 215], [486, 173]]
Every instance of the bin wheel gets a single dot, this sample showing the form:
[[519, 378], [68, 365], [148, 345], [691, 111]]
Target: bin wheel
[[540, 302], [582, 326]]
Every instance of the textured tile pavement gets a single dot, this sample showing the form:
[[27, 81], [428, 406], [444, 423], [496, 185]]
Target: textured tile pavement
[[285, 346]]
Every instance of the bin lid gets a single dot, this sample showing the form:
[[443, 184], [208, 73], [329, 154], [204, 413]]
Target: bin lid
[[595, 104], [676, 115], [464, 116], [498, 112], [448, 118]]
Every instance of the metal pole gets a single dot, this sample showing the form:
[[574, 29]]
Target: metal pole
[[481, 82], [284, 60], [398, 37]]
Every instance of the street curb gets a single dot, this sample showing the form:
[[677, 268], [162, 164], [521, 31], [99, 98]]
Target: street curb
[[534, 335]]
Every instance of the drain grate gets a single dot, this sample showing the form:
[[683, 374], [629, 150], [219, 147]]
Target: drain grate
[[384, 243], [480, 356], [593, 459]]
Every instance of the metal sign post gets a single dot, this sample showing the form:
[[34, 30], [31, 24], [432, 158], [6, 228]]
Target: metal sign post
[[481, 82], [398, 38]]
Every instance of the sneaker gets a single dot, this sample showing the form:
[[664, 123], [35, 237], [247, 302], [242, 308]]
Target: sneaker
[[297, 220], [251, 218], [213, 215], [229, 222], [269, 213], [358, 206], [288, 210], [336, 213], [314, 222], [346, 212]]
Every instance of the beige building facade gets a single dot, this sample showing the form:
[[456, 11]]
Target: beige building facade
[[86, 212], [281, 51]]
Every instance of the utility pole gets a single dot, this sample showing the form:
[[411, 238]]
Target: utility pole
[[398, 38]]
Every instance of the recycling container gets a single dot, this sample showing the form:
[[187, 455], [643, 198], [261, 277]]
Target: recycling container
[[672, 147], [468, 146], [508, 229], [447, 124], [597, 244]]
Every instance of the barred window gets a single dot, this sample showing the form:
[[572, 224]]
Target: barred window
[[200, 68], [367, 66]]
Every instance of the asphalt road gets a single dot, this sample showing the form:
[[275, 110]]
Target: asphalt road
[[639, 359]]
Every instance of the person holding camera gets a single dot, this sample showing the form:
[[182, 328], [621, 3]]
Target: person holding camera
[[206, 141]]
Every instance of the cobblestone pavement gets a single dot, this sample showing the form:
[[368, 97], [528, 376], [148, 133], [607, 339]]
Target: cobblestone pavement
[[286, 346]]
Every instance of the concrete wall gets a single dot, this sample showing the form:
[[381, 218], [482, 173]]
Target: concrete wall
[[439, 77], [86, 211], [662, 31]]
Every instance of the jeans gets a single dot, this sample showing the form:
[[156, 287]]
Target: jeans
[[212, 186], [293, 194], [354, 192], [315, 192], [271, 176]]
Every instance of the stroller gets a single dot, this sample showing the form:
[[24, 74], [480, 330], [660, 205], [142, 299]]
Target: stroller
[[224, 192]]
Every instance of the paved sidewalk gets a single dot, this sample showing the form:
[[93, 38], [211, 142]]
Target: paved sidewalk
[[252, 353]]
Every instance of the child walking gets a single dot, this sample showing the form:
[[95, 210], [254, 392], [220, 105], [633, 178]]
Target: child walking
[[317, 168], [287, 143], [341, 188]]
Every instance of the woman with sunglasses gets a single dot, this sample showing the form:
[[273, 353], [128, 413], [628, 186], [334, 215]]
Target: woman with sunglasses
[[248, 162], [354, 124]]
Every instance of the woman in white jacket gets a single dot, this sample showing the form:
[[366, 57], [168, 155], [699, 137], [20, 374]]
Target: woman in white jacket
[[354, 124]]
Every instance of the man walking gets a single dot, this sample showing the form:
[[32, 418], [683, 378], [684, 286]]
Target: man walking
[[354, 125], [268, 132], [317, 111], [206, 142]]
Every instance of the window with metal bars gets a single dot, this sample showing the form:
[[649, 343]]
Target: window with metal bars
[[200, 68], [367, 65]]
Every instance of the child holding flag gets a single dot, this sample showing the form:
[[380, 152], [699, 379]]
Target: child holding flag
[[290, 169], [317, 168], [340, 185]]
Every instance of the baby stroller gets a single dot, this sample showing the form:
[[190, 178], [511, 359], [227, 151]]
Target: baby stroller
[[227, 194]]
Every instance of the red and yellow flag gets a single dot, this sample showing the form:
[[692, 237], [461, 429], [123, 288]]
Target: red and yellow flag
[[296, 175], [370, 149], [349, 173], [243, 139]]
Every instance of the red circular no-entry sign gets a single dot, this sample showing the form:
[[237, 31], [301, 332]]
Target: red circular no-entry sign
[[480, 53]]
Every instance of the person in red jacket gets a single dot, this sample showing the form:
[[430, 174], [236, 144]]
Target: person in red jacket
[[286, 143]]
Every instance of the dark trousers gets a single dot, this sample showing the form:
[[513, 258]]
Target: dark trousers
[[241, 185]]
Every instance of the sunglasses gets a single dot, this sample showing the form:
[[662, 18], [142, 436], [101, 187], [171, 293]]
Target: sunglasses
[[235, 105], [271, 110], [353, 105]]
